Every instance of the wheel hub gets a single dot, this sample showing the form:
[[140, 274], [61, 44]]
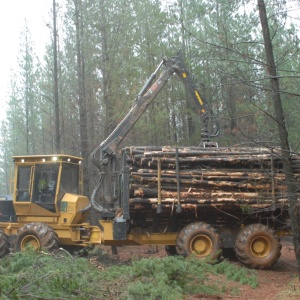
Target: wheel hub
[[30, 241], [201, 245], [260, 246]]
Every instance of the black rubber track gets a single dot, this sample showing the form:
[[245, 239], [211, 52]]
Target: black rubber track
[[247, 236]]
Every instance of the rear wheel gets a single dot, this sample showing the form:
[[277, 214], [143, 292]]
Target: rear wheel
[[199, 239], [257, 247], [4, 244], [39, 236]]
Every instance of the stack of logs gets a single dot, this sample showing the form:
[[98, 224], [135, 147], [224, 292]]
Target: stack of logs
[[194, 175]]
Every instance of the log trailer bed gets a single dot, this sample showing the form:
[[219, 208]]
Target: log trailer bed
[[211, 198]]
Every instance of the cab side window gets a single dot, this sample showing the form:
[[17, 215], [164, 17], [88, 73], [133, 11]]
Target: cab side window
[[23, 184], [44, 190]]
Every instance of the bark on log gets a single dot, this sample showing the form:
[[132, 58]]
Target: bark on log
[[209, 176]]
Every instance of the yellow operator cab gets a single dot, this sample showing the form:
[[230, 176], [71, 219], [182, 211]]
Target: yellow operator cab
[[41, 181]]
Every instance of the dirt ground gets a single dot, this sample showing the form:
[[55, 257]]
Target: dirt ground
[[279, 282]]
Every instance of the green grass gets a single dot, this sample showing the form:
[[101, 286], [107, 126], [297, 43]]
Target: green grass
[[31, 275]]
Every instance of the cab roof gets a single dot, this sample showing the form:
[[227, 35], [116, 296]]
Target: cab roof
[[47, 158]]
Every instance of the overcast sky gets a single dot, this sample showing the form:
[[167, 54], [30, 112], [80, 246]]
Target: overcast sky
[[13, 14]]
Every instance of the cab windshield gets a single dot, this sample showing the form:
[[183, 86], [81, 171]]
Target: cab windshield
[[45, 183], [48, 182]]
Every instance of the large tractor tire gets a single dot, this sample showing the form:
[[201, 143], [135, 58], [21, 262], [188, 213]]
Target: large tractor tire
[[200, 240], [170, 250], [38, 236], [257, 247], [4, 244]]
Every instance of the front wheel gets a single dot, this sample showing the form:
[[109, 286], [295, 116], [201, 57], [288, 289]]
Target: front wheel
[[257, 247], [39, 236], [199, 239]]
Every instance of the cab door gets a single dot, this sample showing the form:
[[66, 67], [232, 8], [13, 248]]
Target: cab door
[[23, 189]]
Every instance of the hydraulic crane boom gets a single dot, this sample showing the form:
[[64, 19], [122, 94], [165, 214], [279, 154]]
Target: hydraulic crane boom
[[103, 155], [147, 94], [200, 102]]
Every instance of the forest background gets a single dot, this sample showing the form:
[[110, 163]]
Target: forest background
[[101, 53]]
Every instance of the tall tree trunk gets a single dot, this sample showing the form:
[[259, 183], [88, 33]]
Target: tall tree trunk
[[81, 94], [229, 95], [55, 79], [27, 93], [105, 73], [283, 134]]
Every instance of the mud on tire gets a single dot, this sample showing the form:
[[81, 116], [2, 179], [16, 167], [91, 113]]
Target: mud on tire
[[37, 235], [4, 244], [257, 247], [199, 239]]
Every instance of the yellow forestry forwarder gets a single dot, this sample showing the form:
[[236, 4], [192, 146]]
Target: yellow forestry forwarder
[[194, 201]]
